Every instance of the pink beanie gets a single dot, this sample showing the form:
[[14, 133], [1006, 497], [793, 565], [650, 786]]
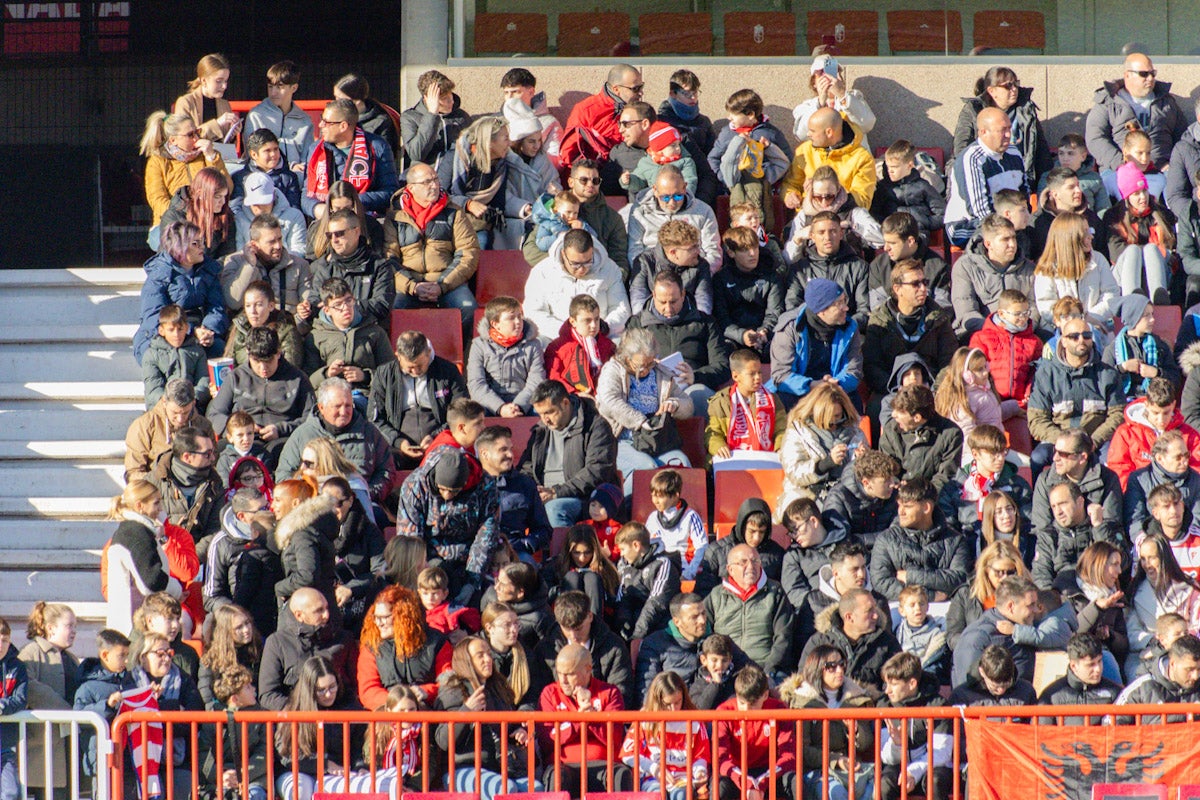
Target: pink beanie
[[1129, 179]]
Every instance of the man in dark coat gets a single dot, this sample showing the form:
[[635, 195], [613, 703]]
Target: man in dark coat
[[1016, 604], [926, 444], [855, 627], [304, 631], [920, 548]]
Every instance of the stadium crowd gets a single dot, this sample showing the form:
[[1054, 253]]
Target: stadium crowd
[[347, 518]]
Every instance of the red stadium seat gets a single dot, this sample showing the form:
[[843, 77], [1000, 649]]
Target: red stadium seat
[[691, 430], [668, 34], [1010, 30], [623, 796], [721, 210], [925, 32], [1019, 438], [853, 33], [507, 34], [381, 795], [534, 796], [616, 201], [442, 326], [695, 491], [595, 34], [1167, 320], [864, 424], [521, 427], [501, 272], [731, 487], [760, 33]]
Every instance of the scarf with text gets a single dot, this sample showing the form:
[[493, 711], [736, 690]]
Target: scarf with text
[[751, 430], [357, 171]]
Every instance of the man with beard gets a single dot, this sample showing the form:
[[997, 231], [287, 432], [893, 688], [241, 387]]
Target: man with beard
[[264, 258], [372, 278]]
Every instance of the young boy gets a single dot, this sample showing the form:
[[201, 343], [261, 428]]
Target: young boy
[[713, 684], [506, 362], [902, 240], [14, 695], [1012, 347], [666, 147], [678, 248], [675, 528], [277, 113], [1145, 420], [906, 686], [961, 500], [748, 296], [903, 189], [239, 443], [266, 157], [681, 110], [604, 515], [455, 621], [751, 155], [749, 216], [234, 689], [649, 579], [921, 634], [752, 693], [1167, 628], [908, 370], [161, 614], [554, 215], [1137, 353], [1073, 154], [174, 353], [994, 683], [747, 416], [574, 359], [101, 682], [1052, 626], [345, 343], [1014, 207]]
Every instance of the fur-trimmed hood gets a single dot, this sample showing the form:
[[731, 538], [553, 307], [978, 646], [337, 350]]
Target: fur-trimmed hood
[[316, 512], [1190, 358], [797, 694]]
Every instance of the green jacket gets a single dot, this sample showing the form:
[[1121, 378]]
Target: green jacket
[[364, 345]]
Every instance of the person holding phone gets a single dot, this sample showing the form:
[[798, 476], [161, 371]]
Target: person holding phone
[[827, 80]]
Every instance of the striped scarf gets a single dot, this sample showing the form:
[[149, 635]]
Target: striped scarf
[[145, 741], [1124, 348]]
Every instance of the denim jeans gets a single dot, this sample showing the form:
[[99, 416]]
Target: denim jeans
[[630, 460], [564, 511]]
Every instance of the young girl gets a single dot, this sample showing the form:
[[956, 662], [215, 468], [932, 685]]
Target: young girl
[[232, 642], [249, 472], [1137, 353], [966, 397], [501, 629], [203, 203], [604, 515], [1069, 267], [659, 753], [1136, 150], [530, 173], [583, 565], [820, 440], [136, 563], [1002, 521], [1141, 236], [397, 755], [205, 101], [318, 688]]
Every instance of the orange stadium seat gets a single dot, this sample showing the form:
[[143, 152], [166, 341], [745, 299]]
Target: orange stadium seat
[[595, 34], [925, 32], [853, 33], [442, 326], [1010, 30], [506, 34], [695, 491], [501, 272], [760, 33], [533, 796], [521, 427], [731, 487], [666, 34]]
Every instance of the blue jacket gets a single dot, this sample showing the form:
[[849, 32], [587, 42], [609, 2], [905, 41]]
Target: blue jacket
[[549, 225], [14, 687], [789, 355], [96, 684], [197, 291], [384, 180]]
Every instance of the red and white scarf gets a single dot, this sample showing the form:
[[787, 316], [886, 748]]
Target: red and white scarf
[[976, 488], [749, 431], [744, 593], [357, 169], [588, 343], [147, 764]]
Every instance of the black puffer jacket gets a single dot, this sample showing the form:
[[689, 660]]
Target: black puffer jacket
[[1155, 688], [712, 569], [747, 301], [1059, 548], [801, 567], [848, 506], [694, 336], [974, 693], [823, 600], [845, 268], [937, 272], [865, 657], [305, 540], [913, 195], [1070, 691], [359, 552], [697, 280], [286, 650], [610, 658], [939, 559], [933, 451], [665, 650], [885, 341]]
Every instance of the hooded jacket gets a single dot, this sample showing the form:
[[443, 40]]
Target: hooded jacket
[[844, 267], [1155, 688], [976, 283], [978, 636], [939, 559], [96, 685], [550, 289], [364, 345], [912, 195], [426, 136], [389, 401], [498, 375], [1131, 443], [197, 291], [1064, 397], [284, 400], [865, 656], [372, 280], [724, 158], [1028, 135], [305, 540], [243, 570], [464, 530], [937, 272], [445, 253], [855, 167], [694, 335], [648, 216], [790, 353], [1185, 160], [760, 626], [362, 443], [588, 452], [716, 555], [1098, 483], [594, 121], [932, 451], [808, 469], [720, 413], [1011, 357], [747, 301], [291, 221], [1107, 120], [161, 362], [286, 650], [885, 341], [697, 280], [568, 362], [801, 567]]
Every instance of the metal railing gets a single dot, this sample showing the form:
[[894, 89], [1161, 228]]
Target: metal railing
[[51, 724]]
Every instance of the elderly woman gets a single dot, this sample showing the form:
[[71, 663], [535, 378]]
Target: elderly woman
[[998, 561], [1159, 587], [182, 275], [175, 151], [476, 178], [640, 399], [1000, 88], [397, 647], [827, 80]]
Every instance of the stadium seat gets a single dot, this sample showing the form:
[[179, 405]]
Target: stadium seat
[[480, 313], [1019, 438], [721, 210], [925, 32], [616, 201], [1167, 320], [501, 272], [864, 423], [853, 33], [1141, 791], [691, 430], [442, 326], [732, 486], [695, 491], [378, 795], [521, 427], [1048, 666], [667, 34], [507, 34], [760, 33], [1188, 791], [534, 796], [594, 34], [196, 644], [1010, 30], [557, 540]]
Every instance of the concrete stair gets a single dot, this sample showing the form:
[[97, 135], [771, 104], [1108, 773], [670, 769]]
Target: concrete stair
[[69, 390]]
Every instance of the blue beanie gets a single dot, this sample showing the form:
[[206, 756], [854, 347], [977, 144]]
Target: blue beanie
[[820, 294]]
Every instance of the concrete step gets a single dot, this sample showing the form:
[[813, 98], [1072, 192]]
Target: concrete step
[[62, 586], [54, 535], [11, 279], [64, 421], [127, 391], [51, 306], [51, 479], [59, 508], [96, 333], [39, 362], [69, 560], [75, 451]]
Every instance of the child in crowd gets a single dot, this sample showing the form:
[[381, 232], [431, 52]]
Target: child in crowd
[[1073, 154], [649, 579], [1053, 624], [249, 472], [1011, 347], [994, 682], [1138, 353], [903, 189], [583, 565], [345, 343], [1141, 237], [747, 295], [234, 690], [666, 147], [922, 635], [162, 615], [454, 620], [751, 155], [987, 471], [14, 697], [908, 370], [662, 752], [750, 216], [554, 215], [239, 442], [397, 755], [675, 528], [746, 416], [506, 362], [174, 353], [266, 157], [713, 684], [679, 249], [1136, 150], [907, 686], [743, 748], [278, 113], [1167, 629], [574, 359], [965, 395], [604, 515]]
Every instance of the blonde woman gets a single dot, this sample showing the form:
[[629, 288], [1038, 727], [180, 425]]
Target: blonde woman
[[323, 458], [476, 177], [999, 560], [136, 562], [821, 438], [175, 153], [205, 102]]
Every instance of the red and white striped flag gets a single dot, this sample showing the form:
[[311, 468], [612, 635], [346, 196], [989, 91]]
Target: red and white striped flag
[[147, 768]]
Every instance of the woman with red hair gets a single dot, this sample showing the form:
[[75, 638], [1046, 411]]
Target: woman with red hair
[[398, 648], [203, 203]]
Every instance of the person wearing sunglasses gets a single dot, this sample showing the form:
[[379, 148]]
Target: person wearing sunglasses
[[174, 152], [997, 561], [1137, 96], [668, 198], [372, 277], [348, 152], [592, 129], [1000, 88], [827, 194], [584, 182]]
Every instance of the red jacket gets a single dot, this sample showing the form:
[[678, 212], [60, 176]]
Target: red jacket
[[1011, 358], [446, 439], [567, 362], [592, 130], [570, 736], [758, 753], [446, 619], [371, 691], [1130, 447]]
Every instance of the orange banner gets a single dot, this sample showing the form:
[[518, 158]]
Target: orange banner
[[1049, 762]]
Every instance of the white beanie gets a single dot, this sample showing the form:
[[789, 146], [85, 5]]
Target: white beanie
[[521, 120]]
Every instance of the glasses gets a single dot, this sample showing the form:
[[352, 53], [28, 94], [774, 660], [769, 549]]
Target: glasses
[[635, 89], [204, 453], [1008, 86], [434, 181], [586, 180], [824, 198], [380, 619], [629, 123], [1075, 337], [1064, 454], [323, 121], [1019, 314], [1143, 73], [833, 666], [578, 265], [308, 463], [163, 653], [193, 134], [341, 305], [923, 282], [327, 690], [672, 198], [340, 233]]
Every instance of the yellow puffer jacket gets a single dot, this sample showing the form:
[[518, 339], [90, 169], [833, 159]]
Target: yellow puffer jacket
[[855, 167]]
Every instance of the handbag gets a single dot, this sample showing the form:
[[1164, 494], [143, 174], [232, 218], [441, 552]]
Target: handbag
[[661, 437]]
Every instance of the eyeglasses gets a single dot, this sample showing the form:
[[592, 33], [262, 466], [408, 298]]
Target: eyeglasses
[[341, 305], [672, 198], [1019, 314], [1008, 86], [824, 198], [923, 282], [434, 181], [833, 666], [1074, 337], [1064, 454], [1143, 73], [308, 463], [327, 690], [163, 653], [578, 265], [380, 619], [339, 233], [323, 121], [203, 453], [192, 134], [585, 180], [635, 89]]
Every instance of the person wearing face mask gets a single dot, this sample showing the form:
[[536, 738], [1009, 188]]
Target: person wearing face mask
[[1141, 237], [1138, 97]]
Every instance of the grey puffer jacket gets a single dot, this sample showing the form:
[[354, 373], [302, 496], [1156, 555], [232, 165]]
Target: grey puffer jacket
[[1185, 160], [498, 375], [161, 362], [1028, 135], [1107, 119]]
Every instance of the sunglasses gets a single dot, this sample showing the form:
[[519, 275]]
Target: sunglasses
[[668, 198], [168, 653], [923, 282], [339, 234], [189, 135], [1074, 337], [586, 180], [1143, 73], [1063, 454], [833, 666], [1008, 86], [825, 198], [1003, 573], [635, 89], [628, 123]]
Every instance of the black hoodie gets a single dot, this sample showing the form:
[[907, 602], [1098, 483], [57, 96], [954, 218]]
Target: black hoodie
[[845, 268], [372, 280], [712, 569]]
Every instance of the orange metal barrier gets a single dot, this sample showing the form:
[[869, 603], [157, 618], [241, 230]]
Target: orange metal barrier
[[614, 727]]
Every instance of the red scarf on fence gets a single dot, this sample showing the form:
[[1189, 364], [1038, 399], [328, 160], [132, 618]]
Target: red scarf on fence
[[147, 770], [751, 431], [357, 169]]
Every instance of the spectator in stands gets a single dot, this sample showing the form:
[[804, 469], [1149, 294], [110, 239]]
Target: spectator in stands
[[475, 176], [834, 141], [584, 183], [358, 548], [1069, 267], [570, 452], [1076, 525], [242, 567], [744, 760], [181, 274], [1173, 680], [807, 563], [904, 190], [52, 673], [304, 631], [233, 642], [681, 110], [909, 321], [826, 195], [679, 327], [854, 625], [554, 215], [676, 759], [676, 528], [101, 683], [578, 624], [205, 102], [1063, 194], [174, 353], [506, 363], [343, 195], [987, 165], [259, 310], [320, 686], [908, 687], [235, 691], [1073, 390], [304, 537], [1085, 683], [1011, 346], [864, 500], [323, 459], [430, 128], [750, 155], [1138, 97], [399, 648], [1141, 236], [577, 264], [678, 250], [583, 564], [371, 277], [919, 548], [204, 204], [753, 528], [1181, 176], [592, 129], [814, 342], [965, 395], [523, 519], [583, 346], [649, 579], [748, 296], [633, 123], [920, 634], [264, 257], [999, 560], [747, 416], [1075, 462], [1169, 464], [1188, 250], [192, 493], [669, 199], [987, 470], [500, 628], [279, 114], [1146, 419], [1000, 88], [136, 558], [150, 434], [345, 343], [827, 82], [263, 199], [902, 240], [828, 255], [175, 152], [822, 437], [175, 690], [1137, 353], [267, 159], [348, 152], [987, 269], [675, 647], [1160, 586], [714, 680], [993, 682], [926, 444], [530, 173], [1016, 605], [335, 417], [1093, 587], [635, 395], [373, 116], [753, 611], [518, 586], [1173, 520]]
